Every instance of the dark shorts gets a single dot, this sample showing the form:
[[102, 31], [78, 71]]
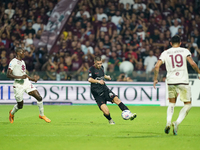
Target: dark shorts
[[103, 97]]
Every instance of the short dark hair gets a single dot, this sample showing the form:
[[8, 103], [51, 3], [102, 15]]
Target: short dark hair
[[97, 58], [18, 49], [175, 39]]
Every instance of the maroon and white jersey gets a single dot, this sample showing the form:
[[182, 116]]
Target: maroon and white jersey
[[103, 28], [18, 67], [175, 60]]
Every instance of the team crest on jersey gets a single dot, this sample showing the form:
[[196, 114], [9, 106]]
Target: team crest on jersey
[[177, 73], [111, 95], [23, 68]]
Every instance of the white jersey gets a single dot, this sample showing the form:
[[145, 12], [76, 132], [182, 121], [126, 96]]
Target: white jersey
[[175, 60], [18, 67]]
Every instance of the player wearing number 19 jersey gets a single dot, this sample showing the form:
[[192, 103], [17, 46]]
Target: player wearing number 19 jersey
[[175, 60]]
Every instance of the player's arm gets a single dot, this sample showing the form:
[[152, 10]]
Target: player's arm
[[11, 76], [91, 80], [156, 71], [107, 77], [194, 65]]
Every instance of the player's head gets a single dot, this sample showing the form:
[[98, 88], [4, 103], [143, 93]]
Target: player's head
[[98, 62], [175, 40], [20, 52]]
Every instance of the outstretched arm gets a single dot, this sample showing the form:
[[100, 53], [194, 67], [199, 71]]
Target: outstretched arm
[[107, 77], [156, 71]]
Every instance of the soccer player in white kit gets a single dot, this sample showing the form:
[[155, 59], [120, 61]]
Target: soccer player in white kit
[[175, 60], [17, 71]]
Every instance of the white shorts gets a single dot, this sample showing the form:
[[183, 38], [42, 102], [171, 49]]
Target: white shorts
[[21, 86], [183, 90]]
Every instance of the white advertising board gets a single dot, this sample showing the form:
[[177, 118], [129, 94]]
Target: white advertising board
[[195, 90], [76, 92]]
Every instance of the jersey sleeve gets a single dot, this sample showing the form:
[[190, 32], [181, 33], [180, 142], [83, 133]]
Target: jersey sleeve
[[187, 53], [11, 65], [162, 57]]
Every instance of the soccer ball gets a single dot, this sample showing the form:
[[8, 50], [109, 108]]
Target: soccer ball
[[126, 114]]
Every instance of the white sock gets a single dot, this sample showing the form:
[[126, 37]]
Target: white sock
[[41, 108], [170, 112], [14, 110], [183, 113]]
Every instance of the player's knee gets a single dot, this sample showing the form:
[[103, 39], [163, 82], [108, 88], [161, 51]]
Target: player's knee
[[39, 98], [20, 106]]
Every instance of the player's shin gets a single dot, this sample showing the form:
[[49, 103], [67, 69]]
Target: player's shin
[[122, 106], [170, 112], [107, 116], [41, 108], [15, 109], [183, 113]]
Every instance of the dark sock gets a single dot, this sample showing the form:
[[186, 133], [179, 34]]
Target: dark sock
[[107, 116], [122, 106]]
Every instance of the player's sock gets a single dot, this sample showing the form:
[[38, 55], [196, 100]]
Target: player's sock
[[14, 110], [41, 108], [122, 106], [107, 116], [183, 113], [170, 112]]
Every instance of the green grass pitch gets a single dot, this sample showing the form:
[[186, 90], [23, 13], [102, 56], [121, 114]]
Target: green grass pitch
[[85, 128]]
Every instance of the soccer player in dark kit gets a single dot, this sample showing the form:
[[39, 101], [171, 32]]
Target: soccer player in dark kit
[[101, 92]]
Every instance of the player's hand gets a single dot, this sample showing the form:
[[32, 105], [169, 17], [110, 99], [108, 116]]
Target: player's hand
[[35, 80], [24, 76], [108, 77], [101, 82], [154, 83]]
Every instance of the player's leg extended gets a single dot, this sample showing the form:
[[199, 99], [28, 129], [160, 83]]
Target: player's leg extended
[[185, 96], [106, 113], [16, 107], [172, 94], [37, 96], [184, 111], [123, 107], [18, 91]]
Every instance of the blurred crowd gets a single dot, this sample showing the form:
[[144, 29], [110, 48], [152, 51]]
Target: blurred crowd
[[117, 30]]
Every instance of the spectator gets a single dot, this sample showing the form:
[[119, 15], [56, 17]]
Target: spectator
[[104, 27], [3, 65], [87, 48], [62, 72], [117, 19], [115, 60], [10, 12], [112, 73], [76, 62], [36, 26], [174, 28], [104, 62], [139, 72], [149, 62], [125, 2], [29, 29], [82, 12], [101, 15]]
